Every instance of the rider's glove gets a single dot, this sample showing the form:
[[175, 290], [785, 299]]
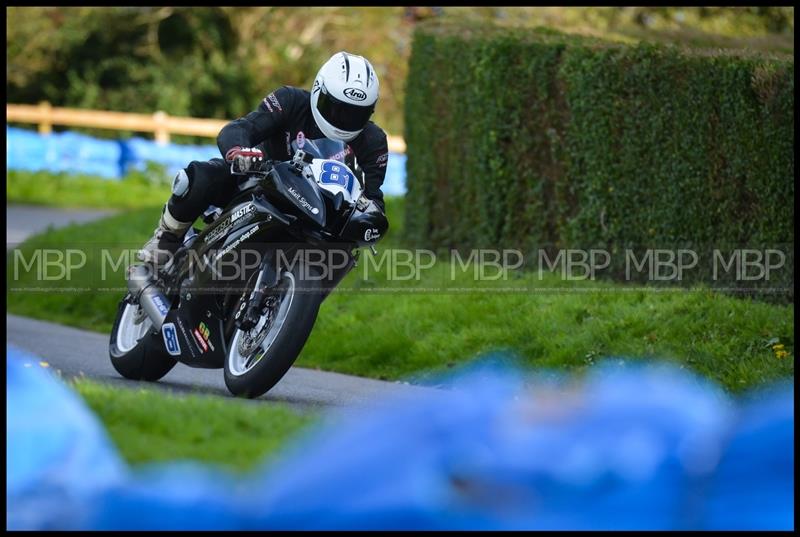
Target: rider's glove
[[365, 204], [362, 203], [244, 159]]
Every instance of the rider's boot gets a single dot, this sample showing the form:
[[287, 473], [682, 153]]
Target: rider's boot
[[166, 239]]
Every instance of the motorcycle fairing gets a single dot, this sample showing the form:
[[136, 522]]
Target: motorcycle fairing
[[199, 332], [302, 193]]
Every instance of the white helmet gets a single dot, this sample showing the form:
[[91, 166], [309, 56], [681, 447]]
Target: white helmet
[[344, 95]]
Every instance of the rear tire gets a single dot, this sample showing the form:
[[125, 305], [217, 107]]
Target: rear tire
[[137, 353], [284, 346]]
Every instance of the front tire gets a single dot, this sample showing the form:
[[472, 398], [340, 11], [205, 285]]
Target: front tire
[[135, 351], [251, 374]]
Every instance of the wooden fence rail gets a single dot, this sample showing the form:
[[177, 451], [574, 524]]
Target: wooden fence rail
[[159, 123]]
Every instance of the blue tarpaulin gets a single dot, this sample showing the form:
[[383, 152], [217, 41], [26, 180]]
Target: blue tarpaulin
[[71, 152], [625, 448]]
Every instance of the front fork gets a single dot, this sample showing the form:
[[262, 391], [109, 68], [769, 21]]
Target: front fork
[[250, 310]]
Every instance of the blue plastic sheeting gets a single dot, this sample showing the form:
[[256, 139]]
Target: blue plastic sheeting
[[62, 152], [58, 456], [627, 448], [137, 152], [71, 152]]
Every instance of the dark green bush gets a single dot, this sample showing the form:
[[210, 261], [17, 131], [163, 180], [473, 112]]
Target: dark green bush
[[521, 139]]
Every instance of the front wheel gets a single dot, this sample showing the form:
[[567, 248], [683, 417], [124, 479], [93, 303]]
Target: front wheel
[[258, 358]]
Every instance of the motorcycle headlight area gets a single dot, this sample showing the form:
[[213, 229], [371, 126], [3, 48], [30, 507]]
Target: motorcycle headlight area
[[336, 178]]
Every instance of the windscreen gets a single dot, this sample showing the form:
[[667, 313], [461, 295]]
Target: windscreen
[[322, 148]]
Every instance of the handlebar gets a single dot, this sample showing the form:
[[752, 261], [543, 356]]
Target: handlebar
[[298, 160]]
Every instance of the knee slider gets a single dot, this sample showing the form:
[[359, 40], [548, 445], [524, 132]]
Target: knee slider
[[180, 186]]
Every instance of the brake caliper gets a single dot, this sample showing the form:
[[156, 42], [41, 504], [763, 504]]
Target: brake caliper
[[250, 312]]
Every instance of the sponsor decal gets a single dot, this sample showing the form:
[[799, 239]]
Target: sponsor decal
[[266, 103], [218, 231], [200, 341], [245, 211], [372, 233], [302, 200], [171, 339], [203, 330], [341, 154], [162, 308], [274, 101], [186, 337], [301, 140], [355, 94], [238, 241], [223, 227], [382, 160]]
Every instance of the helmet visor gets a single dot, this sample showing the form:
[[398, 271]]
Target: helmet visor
[[343, 116]]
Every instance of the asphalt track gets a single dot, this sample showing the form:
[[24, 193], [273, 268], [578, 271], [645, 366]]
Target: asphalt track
[[80, 353], [25, 220]]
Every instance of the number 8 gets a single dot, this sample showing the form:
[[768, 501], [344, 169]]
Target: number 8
[[334, 174]]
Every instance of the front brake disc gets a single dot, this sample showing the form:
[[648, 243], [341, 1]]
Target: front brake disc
[[250, 342]]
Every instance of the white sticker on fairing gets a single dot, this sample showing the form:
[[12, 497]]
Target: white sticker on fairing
[[335, 177], [171, 339]]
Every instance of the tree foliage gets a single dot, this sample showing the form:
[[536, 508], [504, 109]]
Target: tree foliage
[[201, 62], [220, 61]]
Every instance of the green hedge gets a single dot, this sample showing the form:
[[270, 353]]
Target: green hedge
[[520, 139]]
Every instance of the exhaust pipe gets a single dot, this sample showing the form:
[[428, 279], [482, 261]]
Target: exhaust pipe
[[150, 297]]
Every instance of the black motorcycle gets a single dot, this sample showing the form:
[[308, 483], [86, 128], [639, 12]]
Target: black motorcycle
[[243, 294]]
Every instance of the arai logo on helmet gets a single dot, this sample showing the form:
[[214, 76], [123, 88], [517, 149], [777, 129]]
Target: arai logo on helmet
[[355, 94]]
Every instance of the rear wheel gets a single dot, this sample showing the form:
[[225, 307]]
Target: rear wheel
[[258, 358], [135, 349]]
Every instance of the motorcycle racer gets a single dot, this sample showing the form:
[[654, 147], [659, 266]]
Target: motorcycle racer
[[338, 107]]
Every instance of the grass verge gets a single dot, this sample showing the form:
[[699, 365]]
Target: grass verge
[[152, 426], [402, 333], [138, 189]]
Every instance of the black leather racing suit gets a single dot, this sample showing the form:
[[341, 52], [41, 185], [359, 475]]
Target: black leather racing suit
[[282, 117]]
